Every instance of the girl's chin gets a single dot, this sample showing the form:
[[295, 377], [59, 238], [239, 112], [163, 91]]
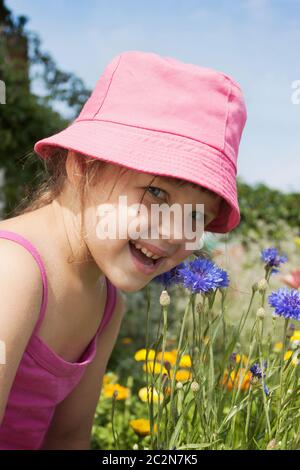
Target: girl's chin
[[130, 283]]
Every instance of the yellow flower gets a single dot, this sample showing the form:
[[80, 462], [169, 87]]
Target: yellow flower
[[297, 241], [182, 375], [277, 347], [109, 390], [185, 361], [174, 353], [126, 340], [239, 358], [296, 336], [294, 360], [140, 355], [171, 356], [144, 396], [287, 355], [168, 356], [235, 378], [154, 369], [142, 426], [109, 377]]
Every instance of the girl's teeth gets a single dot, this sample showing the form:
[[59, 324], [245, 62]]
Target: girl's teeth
[[145, 251]]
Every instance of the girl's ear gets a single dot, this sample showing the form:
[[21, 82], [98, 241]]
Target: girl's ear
[[72, 168]]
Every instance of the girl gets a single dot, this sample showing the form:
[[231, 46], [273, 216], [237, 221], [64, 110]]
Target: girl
[[152, 126]]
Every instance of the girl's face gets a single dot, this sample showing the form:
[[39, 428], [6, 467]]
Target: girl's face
[[125, 265]]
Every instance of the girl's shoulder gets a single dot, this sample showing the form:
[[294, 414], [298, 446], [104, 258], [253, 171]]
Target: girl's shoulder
[[21, 293], [13, 255], [17, 246], [22, 267], [18, 267]]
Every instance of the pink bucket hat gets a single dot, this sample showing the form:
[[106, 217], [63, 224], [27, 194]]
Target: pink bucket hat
[[158, 115]]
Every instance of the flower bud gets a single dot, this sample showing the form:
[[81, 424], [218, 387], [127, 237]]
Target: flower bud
[[164, 380], [255, 287], [195, 386], [272, 445], [261, 313], [262, 285], [179, 385], [164, 299], [135, 446]]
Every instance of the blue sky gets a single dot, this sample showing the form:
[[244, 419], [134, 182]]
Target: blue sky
[[257, 42]]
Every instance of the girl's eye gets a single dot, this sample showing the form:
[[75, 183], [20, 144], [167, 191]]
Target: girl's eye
[[195, 214], [152, 190]]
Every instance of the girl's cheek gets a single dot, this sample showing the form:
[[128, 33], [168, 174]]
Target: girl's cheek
[[181, 255]]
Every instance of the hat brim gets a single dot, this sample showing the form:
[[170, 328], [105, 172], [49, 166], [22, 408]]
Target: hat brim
[[154, 152]]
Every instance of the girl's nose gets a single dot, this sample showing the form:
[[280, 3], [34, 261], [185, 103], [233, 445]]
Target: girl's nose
[[176, 232]]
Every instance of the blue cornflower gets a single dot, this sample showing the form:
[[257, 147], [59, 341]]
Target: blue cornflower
[[169, 278], [256, 371], [286, 302], [271, 258], [202, 275]]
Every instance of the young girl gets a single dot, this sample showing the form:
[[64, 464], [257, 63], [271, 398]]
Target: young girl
[[155, 130]]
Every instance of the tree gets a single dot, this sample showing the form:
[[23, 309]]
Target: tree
[[26, 117]]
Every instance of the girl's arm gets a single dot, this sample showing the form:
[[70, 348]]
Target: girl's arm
[[73, 418], [21, 292]]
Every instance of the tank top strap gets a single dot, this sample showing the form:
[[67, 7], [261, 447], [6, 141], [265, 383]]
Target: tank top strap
[[9, 235], [111, 300]]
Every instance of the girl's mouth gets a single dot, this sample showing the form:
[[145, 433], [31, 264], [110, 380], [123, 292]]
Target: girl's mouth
[[142, 262]]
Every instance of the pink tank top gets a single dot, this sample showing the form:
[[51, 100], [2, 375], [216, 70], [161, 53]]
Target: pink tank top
[[43, 379]]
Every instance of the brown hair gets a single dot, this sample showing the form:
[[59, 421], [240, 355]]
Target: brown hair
[[55, 176]]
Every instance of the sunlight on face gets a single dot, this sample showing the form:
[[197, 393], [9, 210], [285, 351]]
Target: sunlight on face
[[113, 255]]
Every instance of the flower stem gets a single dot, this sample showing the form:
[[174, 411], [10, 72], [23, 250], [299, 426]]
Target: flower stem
[[165, 314], [286, 321]]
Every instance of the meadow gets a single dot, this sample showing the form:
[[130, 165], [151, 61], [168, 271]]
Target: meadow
[[208, 355]]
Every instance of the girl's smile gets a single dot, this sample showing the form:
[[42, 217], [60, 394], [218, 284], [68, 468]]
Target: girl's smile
[[143, 262]]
